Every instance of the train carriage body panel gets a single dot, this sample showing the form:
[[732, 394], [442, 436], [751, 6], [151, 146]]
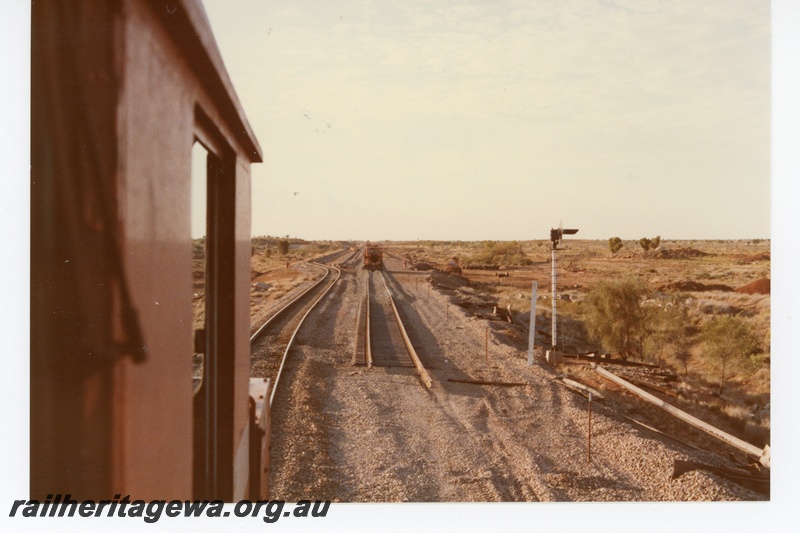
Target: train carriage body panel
[[120, 93]]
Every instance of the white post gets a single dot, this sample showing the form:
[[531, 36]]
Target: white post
[[553, 294], [533, 322]]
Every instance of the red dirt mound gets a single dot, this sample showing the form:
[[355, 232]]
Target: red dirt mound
[[763, 256], [759, 286], [680, 253]]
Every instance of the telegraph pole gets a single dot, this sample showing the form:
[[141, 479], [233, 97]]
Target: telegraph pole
[[554, 296]]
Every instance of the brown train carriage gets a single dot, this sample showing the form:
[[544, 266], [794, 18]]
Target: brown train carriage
[[120, 93]]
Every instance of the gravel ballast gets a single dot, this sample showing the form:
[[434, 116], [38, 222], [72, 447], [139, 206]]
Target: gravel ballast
[[347, 433]]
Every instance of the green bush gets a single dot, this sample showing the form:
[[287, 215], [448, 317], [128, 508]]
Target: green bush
[[650, 244], [655, 242], [283, 246], [668, 326], [615, 316], [727, 343]]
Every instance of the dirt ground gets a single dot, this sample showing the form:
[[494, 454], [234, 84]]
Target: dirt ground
[[709, 278], [354, 434]]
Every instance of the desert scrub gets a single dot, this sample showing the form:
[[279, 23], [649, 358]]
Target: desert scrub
[[500, 252], [727, 342], [703, 274], [615, 317]]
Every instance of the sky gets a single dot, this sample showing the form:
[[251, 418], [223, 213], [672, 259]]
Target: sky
[[472, 120]]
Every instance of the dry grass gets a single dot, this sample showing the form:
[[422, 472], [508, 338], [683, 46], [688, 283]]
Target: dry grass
[[584, 263]]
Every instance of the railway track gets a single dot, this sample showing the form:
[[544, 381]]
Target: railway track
[[271, 343], [353, 260], [479, 443], [381, 336]]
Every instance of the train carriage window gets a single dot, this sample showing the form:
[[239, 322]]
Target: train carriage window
[[199, 200], [203, 318], [213, 242]]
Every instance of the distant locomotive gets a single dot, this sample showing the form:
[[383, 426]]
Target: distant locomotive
[[121, 93], [373, 257]]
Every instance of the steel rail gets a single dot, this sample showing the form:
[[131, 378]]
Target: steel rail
[[423, 374], [368, 334], [329, 257], [283, 309], [352, 257], [329, 269]]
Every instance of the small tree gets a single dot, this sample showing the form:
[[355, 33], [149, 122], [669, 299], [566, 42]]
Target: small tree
[[615, 244], [616, 317], [655, 242], [683, 352], [668, 326], [727, 341], [283, 246], [644, 242]]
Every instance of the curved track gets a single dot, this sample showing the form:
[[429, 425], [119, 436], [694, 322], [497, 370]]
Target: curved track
[[271, 343]]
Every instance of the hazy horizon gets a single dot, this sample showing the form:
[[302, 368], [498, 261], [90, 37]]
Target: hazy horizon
[[664, 240], [471, 120]]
